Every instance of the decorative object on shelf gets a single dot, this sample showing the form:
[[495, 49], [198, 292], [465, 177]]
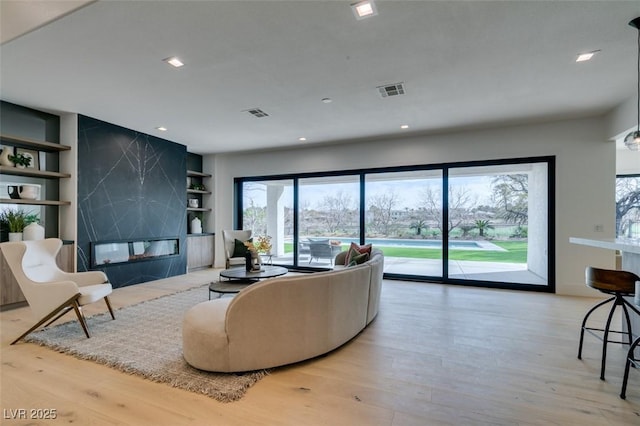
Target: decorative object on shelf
[[632, 140], [7, 151], [33, 231], [197, 187], [12, 190], [196, 225], [21, 160], [16, 221], [33, 155], [29, 192], [193, 203]]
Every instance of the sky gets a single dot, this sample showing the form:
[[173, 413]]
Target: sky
[[409, 192]]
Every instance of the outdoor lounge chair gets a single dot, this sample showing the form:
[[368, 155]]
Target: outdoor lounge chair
[[322, 249]]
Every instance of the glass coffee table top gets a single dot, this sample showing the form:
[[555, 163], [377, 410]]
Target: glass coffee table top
[[240, 273], [239, 278]]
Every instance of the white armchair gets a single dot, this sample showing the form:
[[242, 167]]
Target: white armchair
[[228, 238], [50, 291]]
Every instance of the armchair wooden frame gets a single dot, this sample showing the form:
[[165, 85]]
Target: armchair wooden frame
[[51, 292], [57, 313]]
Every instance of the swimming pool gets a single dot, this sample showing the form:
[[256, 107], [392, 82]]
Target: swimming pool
[[433, 244]]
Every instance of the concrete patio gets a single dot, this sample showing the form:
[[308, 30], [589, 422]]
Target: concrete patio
[[458, 269]]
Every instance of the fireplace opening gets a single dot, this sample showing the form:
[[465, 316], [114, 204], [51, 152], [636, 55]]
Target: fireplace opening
[[105, 253]]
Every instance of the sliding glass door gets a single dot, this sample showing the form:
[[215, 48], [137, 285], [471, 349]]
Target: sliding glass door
[[497, 223], [328, 218], [482, 223], [404, 218], [267, 210]]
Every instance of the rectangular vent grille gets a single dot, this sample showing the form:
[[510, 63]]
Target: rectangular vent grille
[[257, 112], [391, 90]]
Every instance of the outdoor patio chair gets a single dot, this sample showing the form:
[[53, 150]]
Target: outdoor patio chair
[[322, 249]]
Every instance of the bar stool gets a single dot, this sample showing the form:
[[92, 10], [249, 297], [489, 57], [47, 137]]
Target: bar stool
[[631, 360], [618, 284]]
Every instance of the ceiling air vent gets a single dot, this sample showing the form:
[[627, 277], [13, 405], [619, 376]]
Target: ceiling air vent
[[391, 90], [257, 112]]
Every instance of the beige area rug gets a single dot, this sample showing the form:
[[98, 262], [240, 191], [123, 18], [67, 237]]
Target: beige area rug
[[146, 340]]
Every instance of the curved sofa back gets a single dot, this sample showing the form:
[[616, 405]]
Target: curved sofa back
[[283, 320], [289, 319]]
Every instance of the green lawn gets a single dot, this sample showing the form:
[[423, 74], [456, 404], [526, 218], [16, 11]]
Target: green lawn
[[516, 252]]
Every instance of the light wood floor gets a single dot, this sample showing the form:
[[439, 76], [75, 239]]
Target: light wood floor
[[435, 355]]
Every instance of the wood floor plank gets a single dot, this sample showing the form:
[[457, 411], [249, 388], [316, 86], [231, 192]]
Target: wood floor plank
[[435, 355]]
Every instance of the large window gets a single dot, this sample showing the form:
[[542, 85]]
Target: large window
[[404, 215], [328, 217], [628, 206], [482, 223], [498, 223], [267, 209]]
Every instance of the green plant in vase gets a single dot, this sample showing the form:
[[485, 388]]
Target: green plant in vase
[[20, 160], [16, 221], [197, 187]]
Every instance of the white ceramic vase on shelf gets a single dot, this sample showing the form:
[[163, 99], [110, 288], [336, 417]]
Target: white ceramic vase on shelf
[[4, 156], [196, 226], [33, 231], [28, 192]]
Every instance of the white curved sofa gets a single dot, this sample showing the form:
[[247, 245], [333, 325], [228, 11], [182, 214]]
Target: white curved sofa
[[283, 320]]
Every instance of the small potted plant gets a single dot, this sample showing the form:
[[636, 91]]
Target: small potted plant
[[17, 220], [197, 187], [20, 160]]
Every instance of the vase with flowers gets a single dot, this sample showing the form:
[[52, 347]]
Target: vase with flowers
[[263, 244]]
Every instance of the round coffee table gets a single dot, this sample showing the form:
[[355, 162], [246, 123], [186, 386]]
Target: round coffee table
[[266, 271], [239, 278]]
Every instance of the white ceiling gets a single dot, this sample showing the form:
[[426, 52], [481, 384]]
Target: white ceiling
[[465, 64]]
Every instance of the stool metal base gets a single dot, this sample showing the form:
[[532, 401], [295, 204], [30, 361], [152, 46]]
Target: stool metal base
[[618, 300], [631, 360]]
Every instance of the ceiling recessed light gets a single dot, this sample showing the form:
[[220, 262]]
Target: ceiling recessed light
[[586, 56], [364, 9], [174, 62], [302, 139], [161, 128], [326, 100], [404, 126]]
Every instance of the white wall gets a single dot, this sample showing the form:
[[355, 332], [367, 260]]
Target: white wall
[[619, 123], [585, 177], [622, 119], [627, 162]]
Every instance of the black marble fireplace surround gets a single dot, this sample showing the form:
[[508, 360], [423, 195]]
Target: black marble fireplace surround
[[131, 187]]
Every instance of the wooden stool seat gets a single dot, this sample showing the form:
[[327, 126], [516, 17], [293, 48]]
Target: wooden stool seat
[[618, 284]]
